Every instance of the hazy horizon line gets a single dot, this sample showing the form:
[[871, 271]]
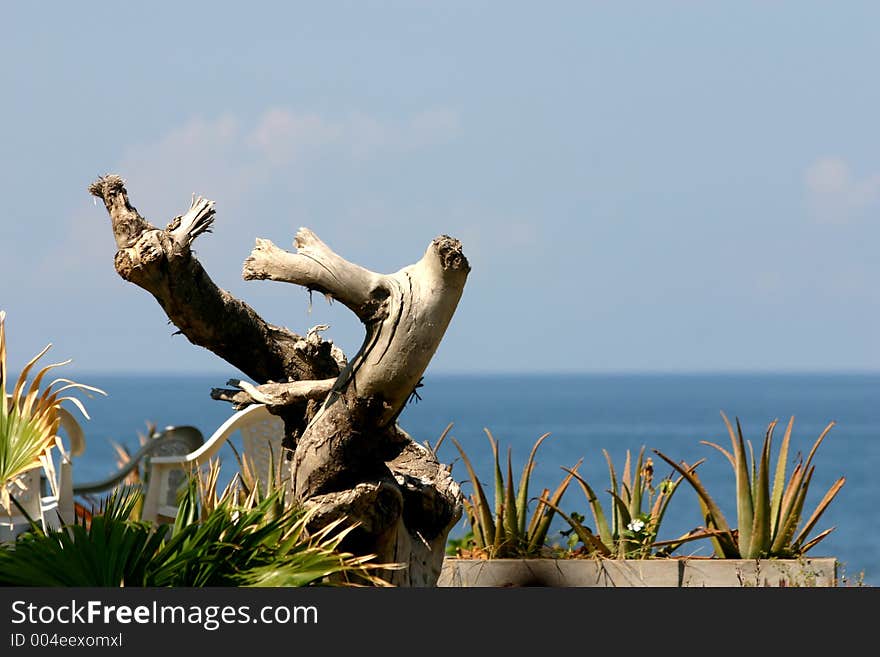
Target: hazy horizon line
[[524, 373]]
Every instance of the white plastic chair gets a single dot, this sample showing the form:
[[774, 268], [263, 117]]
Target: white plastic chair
[[261, 434], [55, 507], [171, 441]]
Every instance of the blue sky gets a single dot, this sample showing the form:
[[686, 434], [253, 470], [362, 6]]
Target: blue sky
[[656, 186]]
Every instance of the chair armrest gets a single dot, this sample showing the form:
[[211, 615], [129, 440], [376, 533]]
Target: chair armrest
[[200, 456]]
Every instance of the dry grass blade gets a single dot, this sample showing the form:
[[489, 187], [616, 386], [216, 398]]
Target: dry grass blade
[[441, 439]]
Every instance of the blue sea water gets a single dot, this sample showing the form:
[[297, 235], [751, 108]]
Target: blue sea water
[[586, 414]]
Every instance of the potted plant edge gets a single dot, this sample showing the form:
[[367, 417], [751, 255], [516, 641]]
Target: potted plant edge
[[506, 544]]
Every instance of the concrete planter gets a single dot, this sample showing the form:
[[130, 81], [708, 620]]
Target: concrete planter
[[674, 572]]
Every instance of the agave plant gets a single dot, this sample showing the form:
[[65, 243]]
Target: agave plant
[[637, 510], [215, 540], [507, 528], [30, 420], [768, 516]]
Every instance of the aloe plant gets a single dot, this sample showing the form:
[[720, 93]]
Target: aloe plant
[[636, 511], [508, 528], [769, 509]]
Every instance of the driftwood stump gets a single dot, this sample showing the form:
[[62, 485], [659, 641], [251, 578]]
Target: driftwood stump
[[349, 458]]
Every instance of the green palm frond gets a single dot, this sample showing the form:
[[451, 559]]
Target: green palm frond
[[29, 417], [216, 540]]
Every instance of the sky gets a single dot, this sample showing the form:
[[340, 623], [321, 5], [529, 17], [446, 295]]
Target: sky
[[642, 186]]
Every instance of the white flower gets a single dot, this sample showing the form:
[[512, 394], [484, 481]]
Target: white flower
[[636, 525]]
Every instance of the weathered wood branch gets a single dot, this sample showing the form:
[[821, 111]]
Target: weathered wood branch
[[273, 394], [349, 457], [405, 313], [161, 262], [352, 459], [316, 267]]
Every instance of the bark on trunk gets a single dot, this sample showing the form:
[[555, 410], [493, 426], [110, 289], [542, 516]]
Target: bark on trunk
[[349, 457]]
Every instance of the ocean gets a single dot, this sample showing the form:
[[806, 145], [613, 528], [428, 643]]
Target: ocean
[[584, 415]]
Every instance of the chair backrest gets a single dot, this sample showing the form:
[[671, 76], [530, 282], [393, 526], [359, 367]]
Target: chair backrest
[[26, 490], [261, 433], [261, 439]]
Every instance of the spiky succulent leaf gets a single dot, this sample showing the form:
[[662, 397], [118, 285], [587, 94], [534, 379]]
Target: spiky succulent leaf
[[498, 478], [616, 527], [483, 513], [744, 504], [779, 478], [635, 498], [715, 519], [522, 498], [761, 540], [539, 537], [819, 510], [511, 523], [595, 505], [591, 542]]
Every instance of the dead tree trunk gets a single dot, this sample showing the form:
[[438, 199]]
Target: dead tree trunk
[[349, 457]]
